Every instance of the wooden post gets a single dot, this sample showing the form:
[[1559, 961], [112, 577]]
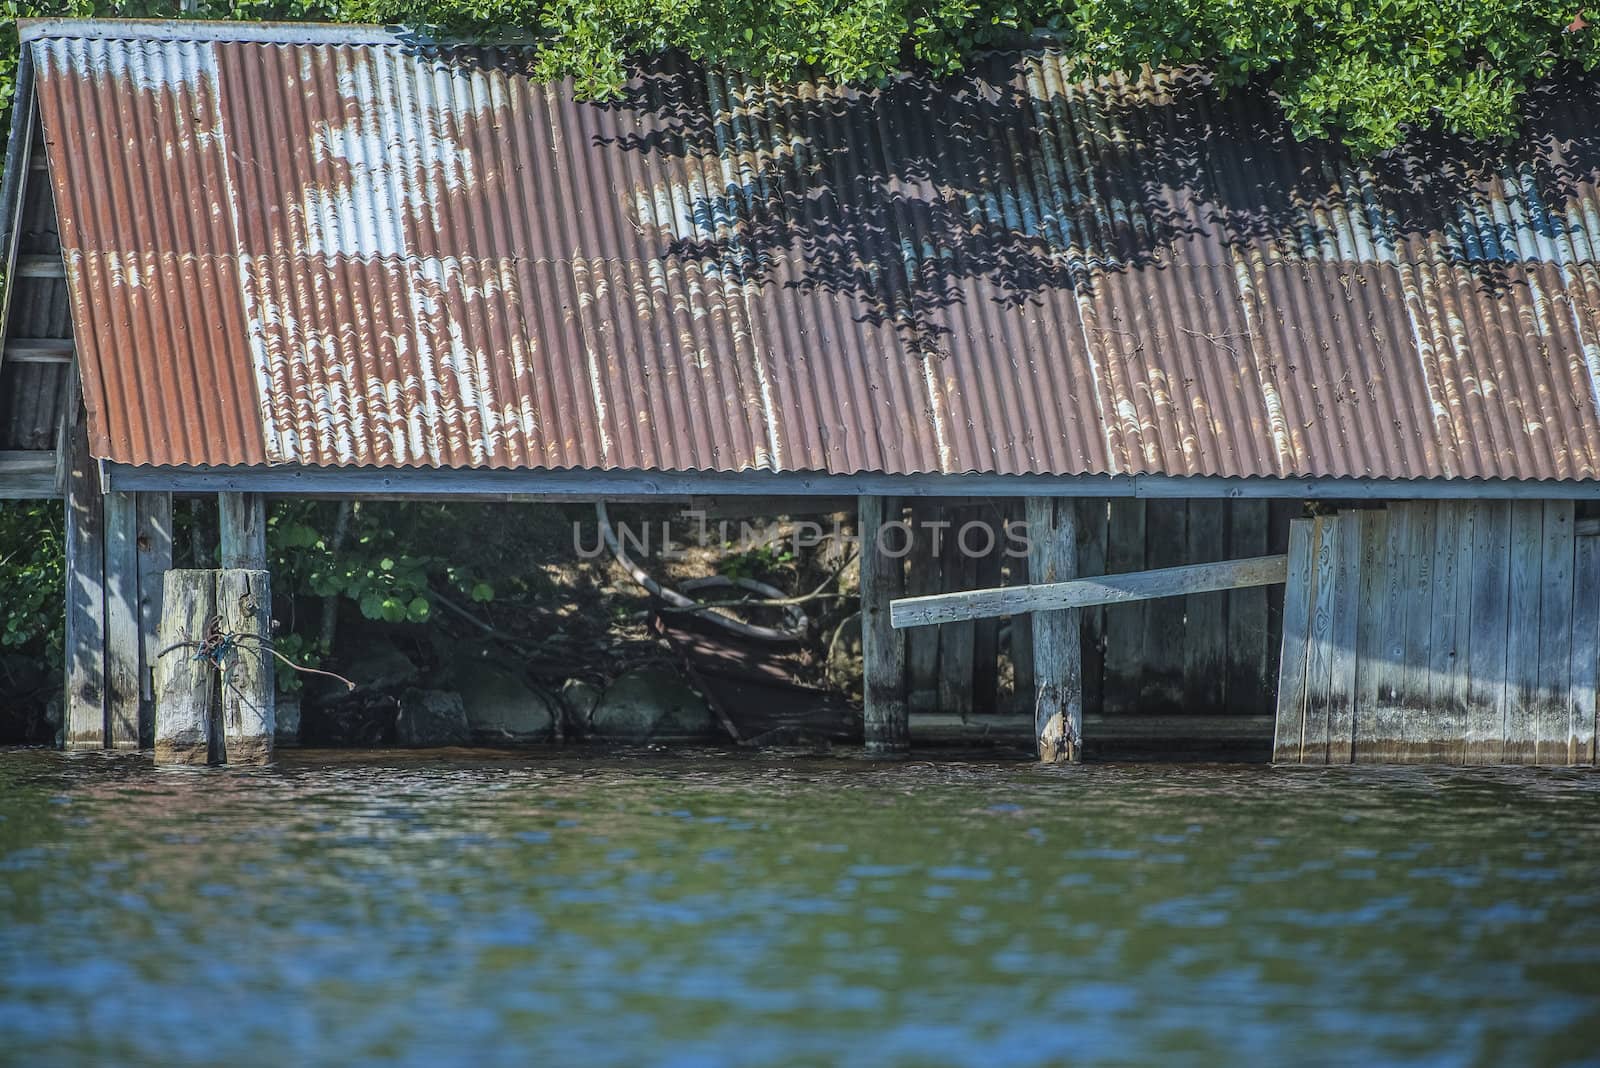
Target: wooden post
[[85, 700], [882, 647], [121, 657], [184, 686], [154, 545], [244, 600], [243, 522], [1057, 653], [957, 641]]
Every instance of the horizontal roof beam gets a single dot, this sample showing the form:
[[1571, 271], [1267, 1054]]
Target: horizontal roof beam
[[40, 267], [589, 484], [27, 475], [38, 350]]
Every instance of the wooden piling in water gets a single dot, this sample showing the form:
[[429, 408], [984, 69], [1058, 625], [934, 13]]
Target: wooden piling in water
[[185, 687], [883, 655], [1057, 652], [244, 600]]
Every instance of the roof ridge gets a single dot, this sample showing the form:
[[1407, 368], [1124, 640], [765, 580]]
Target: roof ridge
[[289, 33]]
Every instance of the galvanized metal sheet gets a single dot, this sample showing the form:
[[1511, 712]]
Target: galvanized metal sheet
[[365, 251]]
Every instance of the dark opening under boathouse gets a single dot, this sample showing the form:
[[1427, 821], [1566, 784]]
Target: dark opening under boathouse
[[1290, 435]]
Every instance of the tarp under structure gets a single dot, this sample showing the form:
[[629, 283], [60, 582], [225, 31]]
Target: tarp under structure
[[340, 247]]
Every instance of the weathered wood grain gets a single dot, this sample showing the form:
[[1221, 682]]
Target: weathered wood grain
[[1450, 619], [1581, 705], [1021, 628], [1491, 583], [986, 632], [1371, 596], [1057, 646], [1416, 728], [1346, 620], [882, 647], [84, 725], [1522, 633], [244, 601], [155, 560], [121, 655], [1289, 724], [242, 519], [1552, 738], [1319, 664], [185, 687]]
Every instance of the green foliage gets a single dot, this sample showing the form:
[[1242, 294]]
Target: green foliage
[[32, 577], [1366, 71]]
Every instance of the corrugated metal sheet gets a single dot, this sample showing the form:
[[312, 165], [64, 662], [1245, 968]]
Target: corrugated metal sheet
[[303, 250]]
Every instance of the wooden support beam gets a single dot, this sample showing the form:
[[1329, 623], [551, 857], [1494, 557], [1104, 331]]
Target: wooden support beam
[[27, 475], [1057, 650], [121, 656], [185, 687], [244, 600], [40, 266], [243, 520], [85, 700], [1081, 593], [882, 648], [39, 350], [154, 546]]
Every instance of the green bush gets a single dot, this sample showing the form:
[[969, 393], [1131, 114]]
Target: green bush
[[32, 577]]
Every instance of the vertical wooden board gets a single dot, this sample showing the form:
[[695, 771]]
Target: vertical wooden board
[[1166, 545], [1092, 530], [1247, 682], [1415, 715], [1327, 540], [985, 542], [1057, 648], [1205, 630], [956, 640], [882, 647], [1585, 668], [1522, 632], [122, 688], [84, 725], [1491, 583], [1551, 736], [1289, 724], [1374, 526], [1280, 513], [185, 685], [1358, 532], [249, 724], [1124, 623], [155, 560], [923, 577], [242, 518], [1439, 735]]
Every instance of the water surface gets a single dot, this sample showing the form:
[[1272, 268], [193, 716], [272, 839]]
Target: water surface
[[708, 909]]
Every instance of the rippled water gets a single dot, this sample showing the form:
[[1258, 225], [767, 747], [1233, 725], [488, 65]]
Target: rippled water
[[601, 909]]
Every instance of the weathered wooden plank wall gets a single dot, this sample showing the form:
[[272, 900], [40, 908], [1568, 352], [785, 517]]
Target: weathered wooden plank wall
[[1203, 654], [1450, 631]]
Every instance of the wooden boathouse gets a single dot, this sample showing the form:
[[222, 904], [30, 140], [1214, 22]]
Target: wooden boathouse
[[1288, 434]]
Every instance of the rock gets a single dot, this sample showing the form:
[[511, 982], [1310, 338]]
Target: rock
[[378, 666], [286, 730], [580, 698], [431, 718], [651, 703], [502, 708]]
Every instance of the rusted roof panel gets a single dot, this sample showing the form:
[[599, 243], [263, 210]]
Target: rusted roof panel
[[299, 249]]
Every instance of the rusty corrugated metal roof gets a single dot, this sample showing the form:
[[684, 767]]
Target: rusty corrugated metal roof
[[337, 247]]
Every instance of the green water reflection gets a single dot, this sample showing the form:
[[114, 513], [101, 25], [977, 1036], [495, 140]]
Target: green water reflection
[[600, 909]]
